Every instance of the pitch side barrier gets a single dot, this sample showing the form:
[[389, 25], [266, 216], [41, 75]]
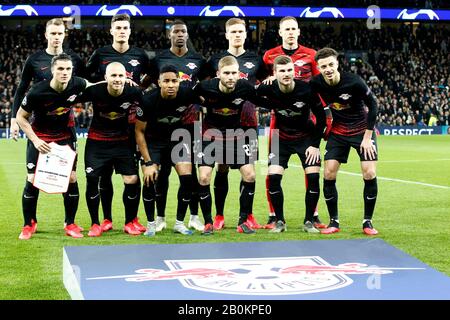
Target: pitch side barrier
[[412, 130]]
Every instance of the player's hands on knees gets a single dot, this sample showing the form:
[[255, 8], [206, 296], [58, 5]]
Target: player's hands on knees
[[369, 149], [150, 174], [269, 80], [312, 155], [42, 146], [14, 129]]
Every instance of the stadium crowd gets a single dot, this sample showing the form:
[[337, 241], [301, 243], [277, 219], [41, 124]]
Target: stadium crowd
[[408, 71]]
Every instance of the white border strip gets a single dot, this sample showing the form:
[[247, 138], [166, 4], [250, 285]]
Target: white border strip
[[399, 180], [71, 279]]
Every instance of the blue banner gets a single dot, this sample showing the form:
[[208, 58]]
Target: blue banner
[[4, 134], [411, 131], [225, 11], [360, 269]]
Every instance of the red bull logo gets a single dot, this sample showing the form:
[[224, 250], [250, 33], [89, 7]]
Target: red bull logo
[[257, 276], [129, 75], [226, 111], [339, 106], [346, 268], [243, 75], [184, 76], [58, 111], [111, 115]]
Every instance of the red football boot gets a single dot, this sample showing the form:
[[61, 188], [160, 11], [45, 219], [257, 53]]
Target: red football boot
[[333, 227], [106, 225], [219, 222], [271, 223], [33, 226], [139, 226], [73, 231], [95, 231], [318, 224], [369, 229], [253, 223], [26, 233], [131, 229], [245, 228]]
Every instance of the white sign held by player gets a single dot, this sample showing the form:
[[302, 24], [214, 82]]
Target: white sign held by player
[[53, 169]]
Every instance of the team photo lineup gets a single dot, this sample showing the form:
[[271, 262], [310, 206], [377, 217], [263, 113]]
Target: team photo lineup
[[200, 116]]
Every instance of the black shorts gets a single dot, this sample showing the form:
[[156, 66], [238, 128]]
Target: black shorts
[[254, 143], [102, 155], [338, 147], [235, 153], [287, 148], [33, 154], [108, 171], [169, 152]]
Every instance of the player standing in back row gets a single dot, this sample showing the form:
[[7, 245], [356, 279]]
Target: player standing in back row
[[38, 67], [347, 96]]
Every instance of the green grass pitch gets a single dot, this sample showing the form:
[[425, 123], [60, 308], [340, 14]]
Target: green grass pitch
[[413, 217]]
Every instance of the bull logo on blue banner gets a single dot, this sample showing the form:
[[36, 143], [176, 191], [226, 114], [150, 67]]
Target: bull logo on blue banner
[[29, 10], [224, 11], [323, 13], [257, 276], [130, 9], [430, 14]]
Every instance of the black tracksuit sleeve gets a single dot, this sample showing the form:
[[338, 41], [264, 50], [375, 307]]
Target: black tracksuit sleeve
[[91, 70], [27, 77]]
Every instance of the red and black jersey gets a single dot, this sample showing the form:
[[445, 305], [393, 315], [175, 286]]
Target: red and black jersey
[[251, 68], [51, 110], [293, 109], [163, 116], [191, 66], [224, 109], [304, 64], [347, 101], [110, 119], [135, 60], [191, 69], [37, 68]]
